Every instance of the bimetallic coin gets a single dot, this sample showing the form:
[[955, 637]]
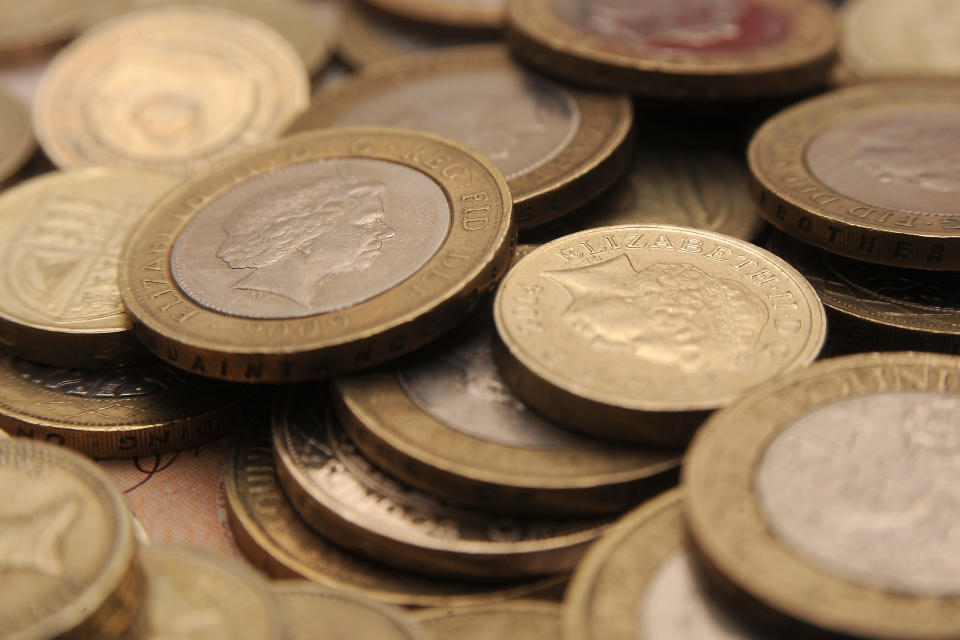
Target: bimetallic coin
[[641, 581], [557, 146], [68, 566], [872, 307], [319, 254], [279, 542], [370, 36], [635, 332], [60, 240], [312, 612], [679, 49], [674, 179], [445, 422], [886, 38], [203, 595], [828, 495], [340, 493], [121, 412], [519, 619], [867, 172], [16, 136], [219, 82], [448, 13]]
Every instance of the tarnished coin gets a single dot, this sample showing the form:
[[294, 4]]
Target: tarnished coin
[[203, 595], [16, 136], [61, 235], [557, 146], [679, 49], [121, 412], [445, 422], [68, 561], [370, 36], [279, 542], [519, 619], [318, 254], [828, 495], [867, 172], [340, 493], [449, 13], [635, 332], [307, 30], [872, 307], [641, 581], [887, 38], [312, 612], [218, 82], [674, 178], [27, 25]]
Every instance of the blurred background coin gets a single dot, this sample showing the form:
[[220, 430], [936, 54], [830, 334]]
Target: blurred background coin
[[448, 13], [16, 136], [27, 26], [520, 619]]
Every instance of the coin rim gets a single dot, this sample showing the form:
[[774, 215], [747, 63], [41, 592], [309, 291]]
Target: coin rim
[[440, 13], [13, 111]]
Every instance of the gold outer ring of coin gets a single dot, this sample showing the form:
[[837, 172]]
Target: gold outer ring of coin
[[736, 543], [414, 532], [106, 606], [88, 108], [65, 407], [527, 619], [185, 582], [17, 143], [445, 13], [472, 258], [801, 61], [50, 224], [792, 199], [310, 611], [596, 155], [390, 429], [601, 601], [276, 540], [295, 21], [548, 362], [865, 318]]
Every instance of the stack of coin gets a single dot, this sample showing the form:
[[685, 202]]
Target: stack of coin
[[866, 173]]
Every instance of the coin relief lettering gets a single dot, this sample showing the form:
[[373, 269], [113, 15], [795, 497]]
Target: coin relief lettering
[[866, 489]]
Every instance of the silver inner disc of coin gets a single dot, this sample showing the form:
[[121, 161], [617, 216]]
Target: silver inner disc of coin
[[676, 606], [311, 238], [517, 120], [868, 489], [902, 158]]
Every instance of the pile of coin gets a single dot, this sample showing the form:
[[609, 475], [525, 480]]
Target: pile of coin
[[452, 329]]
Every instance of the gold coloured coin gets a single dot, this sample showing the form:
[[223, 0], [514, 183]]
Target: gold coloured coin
[[448, 13], [300, 24], [123, 412], [557, 146], [312, 612], [60, 237], [865, 172], [674, 178], [641, 580], [318, 254], [339, 492], [636, 332], [519, 619], [825, 495], [279, 542], [886, 38], [684, 49], [28, 25], [219, 82], [203, 595], [445, 422], [370, 36], [872, 307], [69, 566], [16, 136]]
